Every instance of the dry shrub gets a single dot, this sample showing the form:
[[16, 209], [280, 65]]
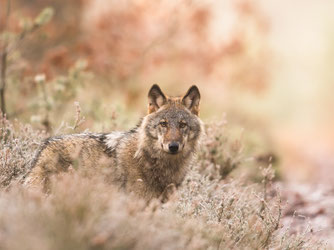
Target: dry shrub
[[55, 95], [83, 211], [227, 150], [241, 215], [166, 30], [131, 40], [136, 39], [18, 143], [130, 44], [87, 213], [219, 154]]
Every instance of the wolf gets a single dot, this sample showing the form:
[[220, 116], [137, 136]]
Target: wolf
[[147, 160]]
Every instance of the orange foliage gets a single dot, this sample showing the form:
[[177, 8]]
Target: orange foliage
[[138, 38]]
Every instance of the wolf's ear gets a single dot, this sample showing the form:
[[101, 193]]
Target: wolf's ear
[[191, 99], [155, 99]]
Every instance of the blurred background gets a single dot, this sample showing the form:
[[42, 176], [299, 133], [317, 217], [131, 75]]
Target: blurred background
[[263, 66]]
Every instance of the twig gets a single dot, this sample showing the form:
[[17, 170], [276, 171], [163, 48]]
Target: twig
[[40, 80], [3, 80], [78, 118], [4, 55]]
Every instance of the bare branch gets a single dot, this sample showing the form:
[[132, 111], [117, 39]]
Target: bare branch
[[3, 67]]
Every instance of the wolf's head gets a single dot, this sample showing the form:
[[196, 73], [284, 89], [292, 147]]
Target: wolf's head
[[172, 125]]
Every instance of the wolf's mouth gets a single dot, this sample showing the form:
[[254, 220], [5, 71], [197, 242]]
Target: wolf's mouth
[[173, 153]]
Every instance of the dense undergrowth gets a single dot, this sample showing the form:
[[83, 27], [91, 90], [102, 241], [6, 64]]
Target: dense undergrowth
[[82, 211], [91, 52]]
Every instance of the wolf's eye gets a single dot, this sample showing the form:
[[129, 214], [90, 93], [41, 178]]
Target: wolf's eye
[[183, 124], [163, 124]]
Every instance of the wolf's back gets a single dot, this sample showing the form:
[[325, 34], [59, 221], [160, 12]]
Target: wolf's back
[[57, 154]]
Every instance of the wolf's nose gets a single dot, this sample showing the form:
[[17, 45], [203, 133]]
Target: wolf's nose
[[173, 147]]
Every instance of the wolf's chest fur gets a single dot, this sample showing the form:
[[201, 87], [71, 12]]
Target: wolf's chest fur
[[141, 168]]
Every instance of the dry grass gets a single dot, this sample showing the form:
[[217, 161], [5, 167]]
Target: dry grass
[[18, 143], [220, 155], [82, 211], [220, 205]]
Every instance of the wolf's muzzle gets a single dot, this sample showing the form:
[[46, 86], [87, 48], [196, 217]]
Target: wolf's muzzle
[[173, 147]]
